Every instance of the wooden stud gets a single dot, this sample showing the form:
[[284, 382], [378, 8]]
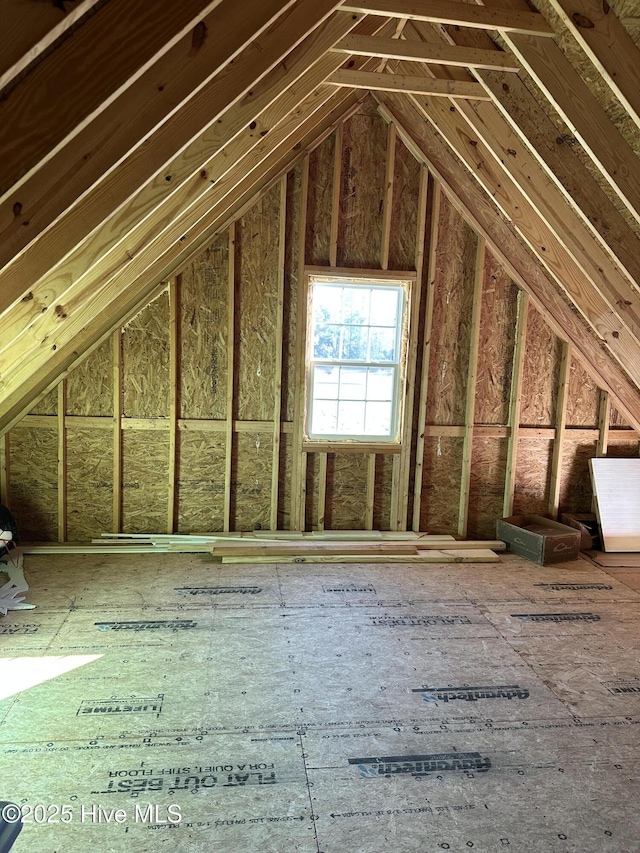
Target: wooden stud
[[515, 400], [436, 195], [299, 467], [403, 463], [174, 396], [561, 417], [604, 415], [277, 408], [371, 486], [62, 461], [335, 196], [470, 405], [231, 317], [117, 428]]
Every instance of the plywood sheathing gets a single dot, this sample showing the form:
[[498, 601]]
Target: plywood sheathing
[[89, 483], [200, 486], [48, 405], [90, 385], [145, 468], [291, 265], [495, 352], [486, 488], [34, 482], [441, 484], [533, 470], [203, 334], [251, 484], [145, 354], [256, 308], [319, 208], [575, 479], [404, 209], [455, 260], [346, 487], [540, 375], [363, 185], [583, 398]]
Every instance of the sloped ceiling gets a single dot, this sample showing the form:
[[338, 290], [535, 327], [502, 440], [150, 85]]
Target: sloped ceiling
[[133, 132]]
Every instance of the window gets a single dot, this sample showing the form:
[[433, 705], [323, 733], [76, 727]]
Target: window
[[356, 349]]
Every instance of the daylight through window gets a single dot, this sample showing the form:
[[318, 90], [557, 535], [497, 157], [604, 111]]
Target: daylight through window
[[355, 359]]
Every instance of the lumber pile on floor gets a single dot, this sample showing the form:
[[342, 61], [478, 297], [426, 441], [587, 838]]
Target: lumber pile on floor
[[344, 546]]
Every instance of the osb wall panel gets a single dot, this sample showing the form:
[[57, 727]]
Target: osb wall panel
[[145, 477], [404, 209], [496, 344], [619, 449], [203, 333], [291, 244], [575, 479], [441, 484], [540, 373], [319, 203], [89, 483], [48, 405], [346, 490], [145, 359], [486, 487], [583, 398], [251, 492], [284, 479], [363, 180], [450, 336], [616, 419], [34, 482], [200, 485], [382, 492], [532, 476], [90, 385], [256, 308]]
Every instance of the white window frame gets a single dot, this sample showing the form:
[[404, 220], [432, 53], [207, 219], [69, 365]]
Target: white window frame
[[405, 281]]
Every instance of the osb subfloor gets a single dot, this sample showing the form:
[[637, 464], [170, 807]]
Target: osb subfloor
[[328, 708]]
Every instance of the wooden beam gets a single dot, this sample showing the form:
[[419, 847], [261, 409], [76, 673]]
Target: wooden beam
[[604, 39], [604, 416], [569, 94], [336, 188], [62, 460], [299, 467], [403, 463], [277, 406], [371, 491], [63, 92], [563, 265], [526, 271], [5, 450], [470, 404], [515, 401], [68, 201], [116, 362], [387, 199], [322, 489], [426, 353], [110, 307], [395, 48], [561, 419], [30, 29], [231, 321], [409, 84], [455, 13], [174, 397]]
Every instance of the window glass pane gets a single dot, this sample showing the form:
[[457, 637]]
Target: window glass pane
[[354, 343], [383, 344], [355, 305], [353, 383], [324, 417], [326, 341], [325, 382], [380, 383], [384, 307], [327, 307], [351, 418], [377, 419]]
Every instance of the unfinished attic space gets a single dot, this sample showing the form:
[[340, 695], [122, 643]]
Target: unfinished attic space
[[319, 426]]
